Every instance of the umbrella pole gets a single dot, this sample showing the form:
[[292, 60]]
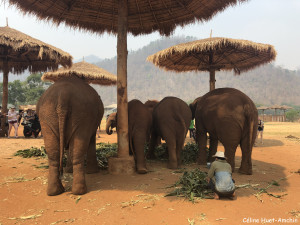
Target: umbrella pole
[[212, 80], [4, 97], [124, 163]]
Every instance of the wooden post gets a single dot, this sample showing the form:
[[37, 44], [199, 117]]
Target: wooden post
[[4, 96], [123, 144], [212, 80], [212, 73]]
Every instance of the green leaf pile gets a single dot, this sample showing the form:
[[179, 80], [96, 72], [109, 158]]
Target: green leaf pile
[[32, 152], [192, 185], [104, 151]]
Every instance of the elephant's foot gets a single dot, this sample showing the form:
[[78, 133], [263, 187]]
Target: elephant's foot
[[173, 165], [79, 189], [245, 171], [142, 171], [92, 169], [55, 188]]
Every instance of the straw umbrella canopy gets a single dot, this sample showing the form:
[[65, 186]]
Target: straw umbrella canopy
[[122, 17], [275, 107], [214, 54], [20, 52], [263, 108], [90, 73], [285, 107]]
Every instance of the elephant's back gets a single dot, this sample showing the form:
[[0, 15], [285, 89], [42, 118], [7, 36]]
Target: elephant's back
[[69, 94], [138, 113], [172, 108]]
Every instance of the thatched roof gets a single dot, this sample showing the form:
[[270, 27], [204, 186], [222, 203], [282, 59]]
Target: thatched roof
[[275, 107], [214, 54], [263, 108], [286, 107], [92, 74], [144, 16], [24, 52]]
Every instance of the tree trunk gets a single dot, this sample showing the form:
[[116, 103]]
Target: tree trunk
[[122, 123], [4, 97]]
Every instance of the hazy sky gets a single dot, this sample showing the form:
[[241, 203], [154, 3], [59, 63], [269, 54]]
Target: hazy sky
[[274, 22]]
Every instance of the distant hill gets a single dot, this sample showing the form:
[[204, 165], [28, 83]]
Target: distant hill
[[265, 85]]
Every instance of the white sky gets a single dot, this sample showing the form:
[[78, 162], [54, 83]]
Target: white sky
[[274, 22]]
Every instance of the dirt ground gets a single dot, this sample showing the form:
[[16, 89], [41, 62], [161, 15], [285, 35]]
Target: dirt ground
[[139, 199]]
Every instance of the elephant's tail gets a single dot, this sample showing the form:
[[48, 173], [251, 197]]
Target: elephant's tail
[[62, 115]]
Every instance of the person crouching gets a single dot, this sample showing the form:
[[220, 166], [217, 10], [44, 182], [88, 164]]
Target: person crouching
[[220, 177]]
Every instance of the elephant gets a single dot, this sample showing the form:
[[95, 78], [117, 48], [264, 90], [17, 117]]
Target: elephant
[[229, 116], [112, 121], [171, 120], [139, 128], [151, 104], [70, 111]]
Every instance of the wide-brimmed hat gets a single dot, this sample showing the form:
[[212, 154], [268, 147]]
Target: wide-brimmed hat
[[13, 107], [220, 155]]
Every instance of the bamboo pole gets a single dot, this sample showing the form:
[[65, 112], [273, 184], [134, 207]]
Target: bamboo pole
[[4, 96], [122, 122]]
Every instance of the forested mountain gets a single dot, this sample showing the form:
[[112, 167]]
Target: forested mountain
[[265, 85]]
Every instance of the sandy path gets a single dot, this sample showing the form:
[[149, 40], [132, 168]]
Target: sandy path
[[139, 199]]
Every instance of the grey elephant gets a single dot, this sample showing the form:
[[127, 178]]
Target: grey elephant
[[171, 120], [229, 116], [70, 111], [139, 128]]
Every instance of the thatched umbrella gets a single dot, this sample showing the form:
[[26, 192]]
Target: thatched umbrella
[[90, 73], [213, 54], [263, 108], [120, 17], [284, 108], [275, 107], [20, 52]]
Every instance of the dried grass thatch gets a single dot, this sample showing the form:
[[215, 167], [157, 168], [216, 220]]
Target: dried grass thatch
[[144, 16], [214, 54], [263, 108], [92, 74], [24, 52]]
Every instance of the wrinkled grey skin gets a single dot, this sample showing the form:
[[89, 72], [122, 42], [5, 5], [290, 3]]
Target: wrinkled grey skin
[[70, 111], [139, 128], [171, 120], [229, 116]]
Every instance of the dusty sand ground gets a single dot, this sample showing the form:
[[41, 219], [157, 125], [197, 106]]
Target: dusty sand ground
[[139, 199]]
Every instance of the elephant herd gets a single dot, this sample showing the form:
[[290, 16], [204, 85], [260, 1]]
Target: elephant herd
[[69, 120]]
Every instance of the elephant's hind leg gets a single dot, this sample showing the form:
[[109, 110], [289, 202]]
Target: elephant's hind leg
[[92, 163], [202, 140], [55, 186], [246, 164], [179, 147], [139, 140], [171, 143], [79, 145]]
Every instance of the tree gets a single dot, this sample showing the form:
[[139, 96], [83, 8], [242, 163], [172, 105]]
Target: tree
[[293, 115], [16, 92]]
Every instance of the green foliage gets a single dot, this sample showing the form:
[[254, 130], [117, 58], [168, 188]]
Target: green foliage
[[104, 151], [192, 184], [27, 92], [16, 92], [293, 115], [32, 152], [189, 153]]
